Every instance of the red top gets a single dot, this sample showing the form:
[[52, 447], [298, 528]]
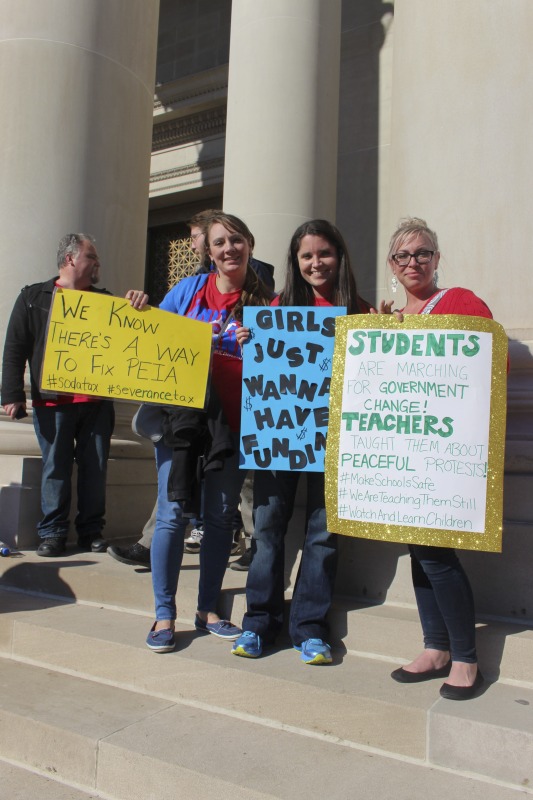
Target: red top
[[210, 305], [460, 301]]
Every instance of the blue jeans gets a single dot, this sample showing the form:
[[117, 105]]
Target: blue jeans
[[222, 490], [81, 433], [198, 522], [445, 601], [274, 494]]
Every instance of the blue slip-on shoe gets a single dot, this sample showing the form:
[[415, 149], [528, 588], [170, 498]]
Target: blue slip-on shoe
[[314, 651], [248, 645], [224, 629], [161, 641]]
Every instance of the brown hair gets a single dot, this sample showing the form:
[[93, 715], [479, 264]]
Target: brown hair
[[254, 292], [201, 219], [297, 292]]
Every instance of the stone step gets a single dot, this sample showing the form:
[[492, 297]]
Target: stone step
[[491, 735], [505, 648], [127, 745], [354, 700], [18, 783], [353, 703], [130, 487], [390, 631], [98, 578]]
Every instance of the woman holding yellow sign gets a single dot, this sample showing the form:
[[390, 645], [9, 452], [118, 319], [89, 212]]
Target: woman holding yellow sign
[[442, 589], [218, 298]]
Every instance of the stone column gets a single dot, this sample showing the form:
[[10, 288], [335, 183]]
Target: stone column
[[76, 88], [460, 155], [282, 121], [462, 158]]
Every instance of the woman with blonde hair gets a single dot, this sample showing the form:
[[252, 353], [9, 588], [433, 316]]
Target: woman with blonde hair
[[442, 589]]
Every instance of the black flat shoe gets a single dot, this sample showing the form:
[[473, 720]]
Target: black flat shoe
[[462, 692], [403, 676]]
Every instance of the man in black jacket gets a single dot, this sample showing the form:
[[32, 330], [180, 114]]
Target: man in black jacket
[[68, 427]]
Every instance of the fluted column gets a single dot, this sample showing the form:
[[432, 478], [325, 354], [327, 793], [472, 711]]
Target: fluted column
[[282, 122], [76, 89]]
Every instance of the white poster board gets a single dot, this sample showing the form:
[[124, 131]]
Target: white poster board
[[417, 430]]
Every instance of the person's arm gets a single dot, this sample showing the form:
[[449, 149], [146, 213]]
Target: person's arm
[[179, 298], [17, 351]]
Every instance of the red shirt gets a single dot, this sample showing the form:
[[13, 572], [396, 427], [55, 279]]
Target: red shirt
[[322, 302], [210, 305], [460, 301]]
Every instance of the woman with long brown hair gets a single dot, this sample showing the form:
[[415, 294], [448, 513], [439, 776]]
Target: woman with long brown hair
[[218, 298]]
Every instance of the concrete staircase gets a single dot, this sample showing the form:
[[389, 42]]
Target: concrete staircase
[[86, 710]]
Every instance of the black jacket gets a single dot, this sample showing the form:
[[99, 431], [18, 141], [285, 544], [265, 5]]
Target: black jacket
[[200, 441], [25, 340]]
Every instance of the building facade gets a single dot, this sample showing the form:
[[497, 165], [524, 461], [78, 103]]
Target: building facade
[[360, 111]]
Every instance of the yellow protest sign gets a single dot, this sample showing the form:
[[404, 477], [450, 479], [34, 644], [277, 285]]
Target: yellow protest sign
[[100, 345], [416, 433]]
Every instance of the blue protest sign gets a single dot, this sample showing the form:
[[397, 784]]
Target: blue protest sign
[[285, 393]]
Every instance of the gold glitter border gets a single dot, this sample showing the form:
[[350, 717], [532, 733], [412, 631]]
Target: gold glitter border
[[491, 539]]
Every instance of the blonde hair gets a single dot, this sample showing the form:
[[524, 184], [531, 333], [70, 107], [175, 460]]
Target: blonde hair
[[408, 227]]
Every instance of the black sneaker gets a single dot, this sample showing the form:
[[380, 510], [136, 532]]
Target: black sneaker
[[136, 554], [242, 564], [52, 547]]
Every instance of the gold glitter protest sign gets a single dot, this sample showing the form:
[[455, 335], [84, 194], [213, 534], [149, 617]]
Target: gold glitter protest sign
[[416, 434], [100, 345]]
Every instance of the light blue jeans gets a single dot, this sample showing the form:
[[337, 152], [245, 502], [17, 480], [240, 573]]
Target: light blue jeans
[[222, 490]]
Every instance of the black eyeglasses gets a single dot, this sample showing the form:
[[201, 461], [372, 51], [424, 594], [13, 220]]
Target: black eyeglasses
[[421, 257]]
